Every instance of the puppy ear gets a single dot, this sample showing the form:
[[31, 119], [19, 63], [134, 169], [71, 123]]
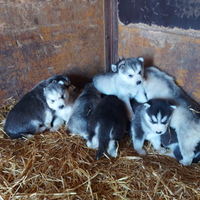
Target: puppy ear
[[147, 105], [73, 87], [141, 59], [66, 78], [173, 107], [114, 68], [61, 82], [44, 91], [121, 64]]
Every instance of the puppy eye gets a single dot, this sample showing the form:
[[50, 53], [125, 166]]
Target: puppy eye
[[52, 101], [130, 76], [165, 122], [153, 122], [140, 73]]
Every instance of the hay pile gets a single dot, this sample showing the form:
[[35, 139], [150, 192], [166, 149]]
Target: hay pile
[[60, 166]]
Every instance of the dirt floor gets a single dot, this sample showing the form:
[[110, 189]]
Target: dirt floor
[[59, 165]]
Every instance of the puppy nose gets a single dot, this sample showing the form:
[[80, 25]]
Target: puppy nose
[[158, 132], [138, 82], [61, 106]]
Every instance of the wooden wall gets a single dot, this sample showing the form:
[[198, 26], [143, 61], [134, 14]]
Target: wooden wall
[[176, 50], [41, 38]]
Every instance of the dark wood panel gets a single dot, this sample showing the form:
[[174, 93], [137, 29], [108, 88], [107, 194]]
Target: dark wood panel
[[168, 13]]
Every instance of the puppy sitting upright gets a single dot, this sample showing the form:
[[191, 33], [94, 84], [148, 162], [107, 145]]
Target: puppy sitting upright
[[83, 107], [125, 83], [107, 125], [150, 121], [32, 113], [61, 101]]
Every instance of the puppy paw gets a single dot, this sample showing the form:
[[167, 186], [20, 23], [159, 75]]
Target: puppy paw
[[162, 151], [92, 144], [141, 152], [185, 162], [43, 128], [29, 135], [54, 129], [85, 136], [113, 152]]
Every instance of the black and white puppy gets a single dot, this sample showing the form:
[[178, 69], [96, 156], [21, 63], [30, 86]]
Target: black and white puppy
[[170, 141], [150, 121], [107, 125], [185, 119], [32, 113], [82, 109], [126, 82]]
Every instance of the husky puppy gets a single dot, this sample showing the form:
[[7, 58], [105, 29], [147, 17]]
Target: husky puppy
[[185, 120], [107, 125], [60, 101], [82, 109], [125, 83], [150, 121], [170, 141], [32, 113]]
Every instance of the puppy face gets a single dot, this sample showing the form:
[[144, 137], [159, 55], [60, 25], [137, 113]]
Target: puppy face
[[130, 70], [158, 115], [157, 123], [56, 95]]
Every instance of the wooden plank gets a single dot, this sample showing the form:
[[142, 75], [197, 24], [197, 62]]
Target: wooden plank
[[41, 38]]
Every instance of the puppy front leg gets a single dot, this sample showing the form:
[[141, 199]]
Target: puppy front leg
[[48, 117], [138, 138], [156, 142], [137, 145], [57, 123]]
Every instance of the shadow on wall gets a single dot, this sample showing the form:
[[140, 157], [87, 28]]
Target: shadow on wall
[[79, 81]]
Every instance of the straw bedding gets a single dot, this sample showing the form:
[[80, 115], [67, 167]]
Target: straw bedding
[[60, 166]]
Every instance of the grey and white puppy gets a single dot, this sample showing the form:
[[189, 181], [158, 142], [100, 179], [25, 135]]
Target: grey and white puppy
[[32, 113], [125, 83], [60, 100], [185, 120], [82, 109]]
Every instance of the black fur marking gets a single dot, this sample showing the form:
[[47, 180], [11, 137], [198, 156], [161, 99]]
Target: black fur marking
[[159, 105], [110, 114], [169, 137], [177, 153]]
